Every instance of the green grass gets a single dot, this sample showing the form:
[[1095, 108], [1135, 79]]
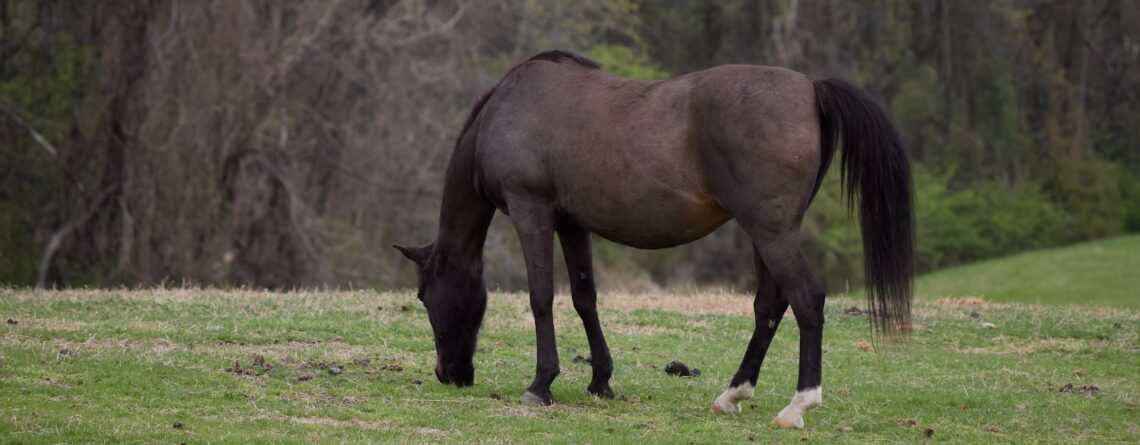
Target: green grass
[[137, 363], [1098, 273]]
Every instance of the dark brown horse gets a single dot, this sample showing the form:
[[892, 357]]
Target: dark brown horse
[[561, 146]]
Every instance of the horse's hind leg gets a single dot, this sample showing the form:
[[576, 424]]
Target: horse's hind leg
[[579, 264], [773, 224], [769, 307], [788, 267], [534, 223]]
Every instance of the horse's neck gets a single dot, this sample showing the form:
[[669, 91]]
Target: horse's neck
[[463, 216]]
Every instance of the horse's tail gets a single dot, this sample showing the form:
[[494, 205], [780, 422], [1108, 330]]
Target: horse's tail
[[876, 173]]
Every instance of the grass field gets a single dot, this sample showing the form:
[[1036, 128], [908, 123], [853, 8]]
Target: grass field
[[1098, 273], [159, 366]]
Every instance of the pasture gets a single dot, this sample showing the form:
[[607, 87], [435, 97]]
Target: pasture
[[1097, 273], [211, 366]]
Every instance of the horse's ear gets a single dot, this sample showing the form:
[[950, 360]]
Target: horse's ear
[[417, 254]]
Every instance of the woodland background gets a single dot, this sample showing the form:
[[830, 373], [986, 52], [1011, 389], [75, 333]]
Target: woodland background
[[289, 144]]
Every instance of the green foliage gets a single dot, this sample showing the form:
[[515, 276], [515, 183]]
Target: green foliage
[[1091, 192], [49, 89], [624, 62], [579, 24], [985, 220]]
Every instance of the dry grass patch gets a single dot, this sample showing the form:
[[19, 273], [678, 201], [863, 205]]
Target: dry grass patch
[[962, 301], [701, 303]]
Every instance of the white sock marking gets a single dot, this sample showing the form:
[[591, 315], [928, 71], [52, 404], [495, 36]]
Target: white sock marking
[[802, 402], [729, 400]]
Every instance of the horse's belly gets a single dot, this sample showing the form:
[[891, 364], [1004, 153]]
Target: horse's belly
[[652, 223]]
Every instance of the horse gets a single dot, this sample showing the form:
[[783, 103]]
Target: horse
[[560, 146]]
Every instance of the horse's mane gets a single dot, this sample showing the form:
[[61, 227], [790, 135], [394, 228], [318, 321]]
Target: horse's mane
[[558, 55]]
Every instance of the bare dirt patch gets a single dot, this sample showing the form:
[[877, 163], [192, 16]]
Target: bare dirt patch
[[257, 368], [698, 303], [1087, 389]]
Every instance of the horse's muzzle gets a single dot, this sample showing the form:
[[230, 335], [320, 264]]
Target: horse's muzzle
[[460, 376]]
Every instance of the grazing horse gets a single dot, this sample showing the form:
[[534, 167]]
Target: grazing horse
[[560, 146]]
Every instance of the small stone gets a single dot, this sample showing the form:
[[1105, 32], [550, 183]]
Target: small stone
[[844, 429], [928, 433], [417, 382], [989, 325], [11, 321], [975, 314], [1067, 388], [496, 395], [335, 370], [305, 377], [177, 425], [66, 353]]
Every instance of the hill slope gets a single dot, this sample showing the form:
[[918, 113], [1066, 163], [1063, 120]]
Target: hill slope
[[1098, 273]]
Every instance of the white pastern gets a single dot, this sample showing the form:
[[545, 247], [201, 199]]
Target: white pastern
[[792, 416], [729, 400]]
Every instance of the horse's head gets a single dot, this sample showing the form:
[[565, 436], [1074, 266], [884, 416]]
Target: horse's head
[[455, 299]]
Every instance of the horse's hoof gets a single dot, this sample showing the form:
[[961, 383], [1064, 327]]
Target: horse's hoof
[[790, 422], [601, 391], [531, 398], [729, 400], [720, 406]]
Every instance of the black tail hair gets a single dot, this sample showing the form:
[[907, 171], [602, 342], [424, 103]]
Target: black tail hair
[[875, 173]]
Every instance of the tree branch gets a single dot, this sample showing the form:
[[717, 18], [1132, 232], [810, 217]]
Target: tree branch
[[40, 139]]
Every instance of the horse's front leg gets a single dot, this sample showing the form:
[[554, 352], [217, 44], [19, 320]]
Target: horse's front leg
[[534, 223], [579, 264]]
